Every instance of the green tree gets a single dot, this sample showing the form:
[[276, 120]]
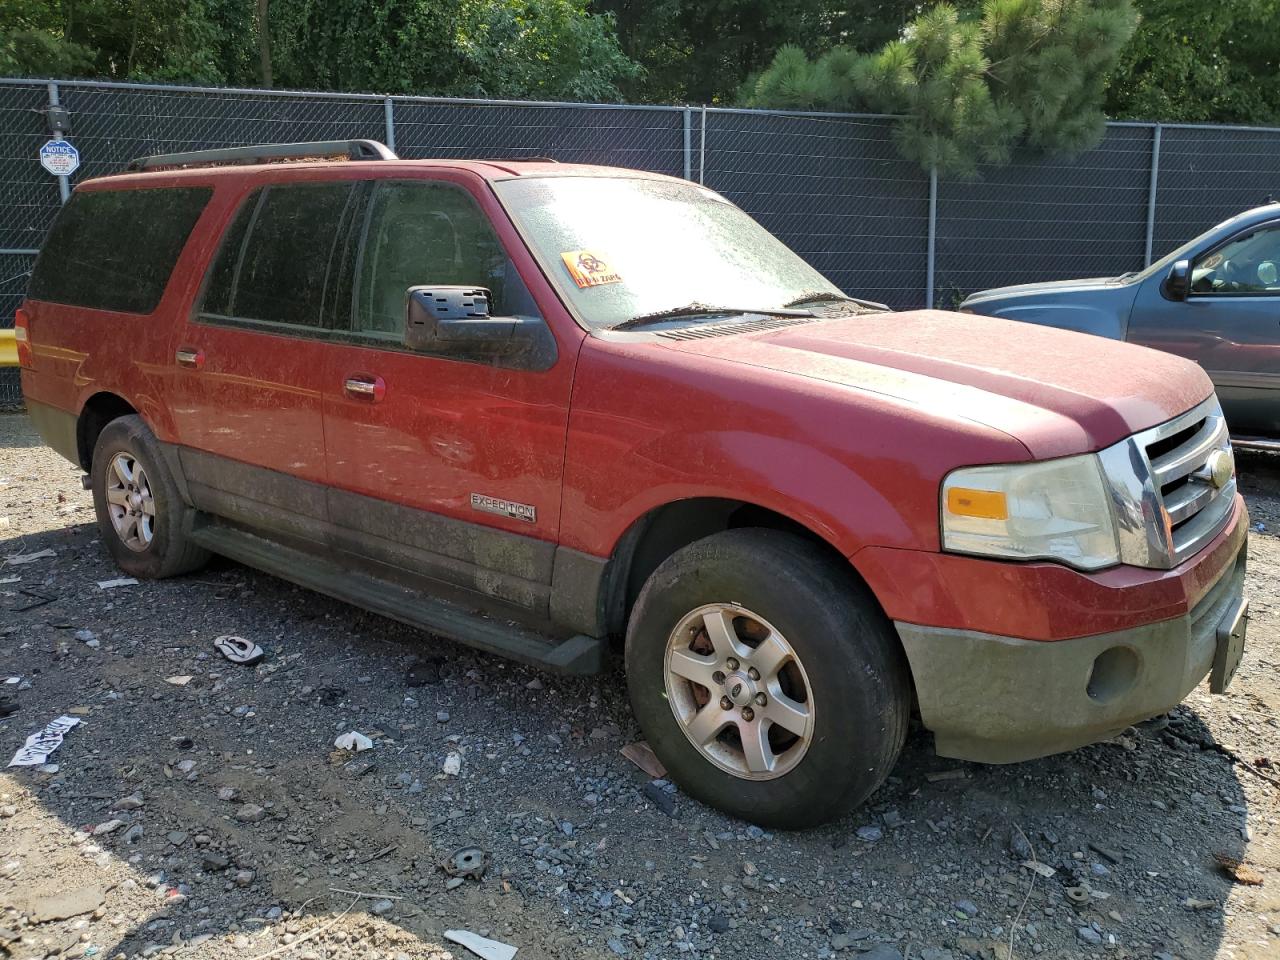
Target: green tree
[[970, 85], [115, 39], [1194, 61], [701, 51], [505, 48]]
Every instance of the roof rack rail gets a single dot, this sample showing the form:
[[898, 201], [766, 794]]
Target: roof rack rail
[[354, 150], [538, 159]]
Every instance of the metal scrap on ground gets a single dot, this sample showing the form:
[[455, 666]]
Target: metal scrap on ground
[[482, 946]]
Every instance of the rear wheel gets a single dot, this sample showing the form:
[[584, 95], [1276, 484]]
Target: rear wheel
[[143, 519], [766, 678]]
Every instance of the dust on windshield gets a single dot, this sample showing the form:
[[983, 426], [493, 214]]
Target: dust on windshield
[[620, 248]]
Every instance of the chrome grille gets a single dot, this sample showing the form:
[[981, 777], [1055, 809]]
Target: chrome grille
[[1179, 455], [1163, 497]]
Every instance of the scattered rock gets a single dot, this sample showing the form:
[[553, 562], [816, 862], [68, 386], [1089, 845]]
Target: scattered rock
[[1238, 870], [660, 798], [251, 813], [41, 908], [870, 833], [1019, 845]]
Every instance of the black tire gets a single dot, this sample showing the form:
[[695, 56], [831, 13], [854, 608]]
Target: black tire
[[849, 651], [170, 551]]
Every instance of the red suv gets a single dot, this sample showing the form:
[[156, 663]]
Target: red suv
[[535, 407]]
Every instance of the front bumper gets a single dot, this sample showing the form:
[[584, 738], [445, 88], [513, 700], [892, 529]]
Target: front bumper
[[998, 699]]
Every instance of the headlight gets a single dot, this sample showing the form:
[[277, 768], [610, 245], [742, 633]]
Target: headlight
[[1055, 510]]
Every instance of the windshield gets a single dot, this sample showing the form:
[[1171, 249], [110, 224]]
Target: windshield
[[621, 248], [1189, 248]]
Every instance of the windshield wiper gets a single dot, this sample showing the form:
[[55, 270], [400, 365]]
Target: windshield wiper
[[703, 310], [825, 296]]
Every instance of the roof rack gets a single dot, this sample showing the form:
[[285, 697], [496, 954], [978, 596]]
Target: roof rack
[[354, 150]]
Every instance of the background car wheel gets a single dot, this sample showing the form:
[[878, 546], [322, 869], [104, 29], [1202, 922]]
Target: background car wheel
[[766, 678], [143, 520]]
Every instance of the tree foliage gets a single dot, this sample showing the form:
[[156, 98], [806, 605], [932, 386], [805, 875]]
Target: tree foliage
[[1193, 61], [701, 51], [498, 48], [971, 86]]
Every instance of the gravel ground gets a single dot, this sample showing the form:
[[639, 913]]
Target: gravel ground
[[215, 819]]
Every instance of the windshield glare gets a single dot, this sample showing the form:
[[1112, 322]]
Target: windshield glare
[[618, 248]]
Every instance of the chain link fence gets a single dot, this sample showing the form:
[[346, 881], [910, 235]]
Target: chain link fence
[[831, 186]]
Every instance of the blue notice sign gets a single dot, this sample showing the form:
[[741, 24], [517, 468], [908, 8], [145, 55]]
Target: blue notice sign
[[59, 158]]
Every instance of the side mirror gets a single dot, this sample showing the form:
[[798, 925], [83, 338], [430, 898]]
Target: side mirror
[[454, 321], [1178, 283]]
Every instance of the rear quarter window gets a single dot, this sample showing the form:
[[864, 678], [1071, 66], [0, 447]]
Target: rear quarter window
[[115, 249]]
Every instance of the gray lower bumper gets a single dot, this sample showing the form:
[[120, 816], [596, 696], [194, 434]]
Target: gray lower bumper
[[1000, 700]]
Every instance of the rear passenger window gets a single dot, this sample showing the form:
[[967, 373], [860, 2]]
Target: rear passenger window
[[115, 249], [277, 260]]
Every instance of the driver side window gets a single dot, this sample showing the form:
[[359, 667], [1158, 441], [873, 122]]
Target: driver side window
[[428, 233], [1247, 264]]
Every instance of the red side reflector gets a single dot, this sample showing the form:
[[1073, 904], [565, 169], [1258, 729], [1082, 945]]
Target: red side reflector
[[22, 333]]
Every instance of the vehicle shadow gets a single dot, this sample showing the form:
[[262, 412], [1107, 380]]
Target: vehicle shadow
[[247, 809]]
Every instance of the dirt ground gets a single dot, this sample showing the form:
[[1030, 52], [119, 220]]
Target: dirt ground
[[213, 818]]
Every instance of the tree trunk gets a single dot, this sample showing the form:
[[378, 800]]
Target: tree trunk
[[133, 39], [264, 43]]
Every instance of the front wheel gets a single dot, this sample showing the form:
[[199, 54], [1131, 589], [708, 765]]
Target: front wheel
[[766, 678]]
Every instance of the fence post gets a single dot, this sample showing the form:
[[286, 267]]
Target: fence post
[[388, 113], [64, 182], [1151, 193], [702, 148], [933, 236], [688, 144]]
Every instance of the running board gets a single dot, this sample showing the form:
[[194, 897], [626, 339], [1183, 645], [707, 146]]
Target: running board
[[1256, 443], [577, 655]]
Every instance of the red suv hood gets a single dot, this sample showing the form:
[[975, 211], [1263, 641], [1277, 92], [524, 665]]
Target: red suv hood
[[1056, 391]]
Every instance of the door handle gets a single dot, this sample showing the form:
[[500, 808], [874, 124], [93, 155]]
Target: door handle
[[189, 357], [361, 387]]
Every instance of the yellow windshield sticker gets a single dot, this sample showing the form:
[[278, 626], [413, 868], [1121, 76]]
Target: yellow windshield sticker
[[589, 268]]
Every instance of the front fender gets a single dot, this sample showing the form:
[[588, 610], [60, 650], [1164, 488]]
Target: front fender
[[650, 426], [805, 484]]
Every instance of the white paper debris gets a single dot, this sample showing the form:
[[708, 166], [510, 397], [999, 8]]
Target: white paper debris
[[1043, 869], [10, 580], [181, 681], [12, 679], [481, 946], [41, 744], [453, 764], [121, 582], [353, 741], [20, 558]]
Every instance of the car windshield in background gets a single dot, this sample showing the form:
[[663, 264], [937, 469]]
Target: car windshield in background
[[621, 248]]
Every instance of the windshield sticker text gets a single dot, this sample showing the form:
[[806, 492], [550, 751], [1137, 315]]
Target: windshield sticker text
[[589, 268]]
